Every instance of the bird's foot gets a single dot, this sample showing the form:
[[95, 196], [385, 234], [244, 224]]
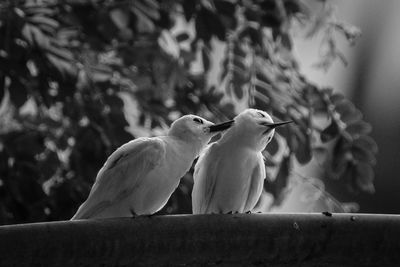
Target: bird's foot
[[134, 215], [248, 212], [231, 212]]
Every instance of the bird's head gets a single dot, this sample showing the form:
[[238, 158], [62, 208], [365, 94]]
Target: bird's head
[[255, 128], [195, 128]]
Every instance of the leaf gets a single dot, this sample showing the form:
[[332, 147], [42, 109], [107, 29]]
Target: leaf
[[240, 76], [351, 117], [358, 128], [61, 53], [41, 20], [39, 39], [36, 10], [303, 151], [330, 132], [100, 74], [144, 24], [233, 86], [366, 142], [64, 35], [364, 149], [120, 18], [18, 93], [168, 44], [364, 176], [65, 68], [237, 83], [239, 63], [298, 118], [239, 52], [29, 33], [148, 8], [344, 108], [337, 98], [314, 98], [361, 154]]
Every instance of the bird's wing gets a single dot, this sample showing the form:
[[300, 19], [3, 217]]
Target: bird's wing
[[256, 184], [121, 174], [205, 174]]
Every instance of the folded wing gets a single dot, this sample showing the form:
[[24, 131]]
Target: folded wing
[[205, 176], [121, 174]]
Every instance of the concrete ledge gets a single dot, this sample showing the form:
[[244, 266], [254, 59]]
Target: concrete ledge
[[207, 240]]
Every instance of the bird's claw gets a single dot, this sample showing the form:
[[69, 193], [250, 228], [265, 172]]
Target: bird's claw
[[134, 215]]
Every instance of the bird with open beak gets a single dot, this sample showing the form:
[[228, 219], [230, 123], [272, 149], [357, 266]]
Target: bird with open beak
[[229, 174], [140, 176]]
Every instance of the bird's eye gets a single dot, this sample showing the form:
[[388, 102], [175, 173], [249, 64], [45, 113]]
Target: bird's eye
[[262, 115], [198, 120]]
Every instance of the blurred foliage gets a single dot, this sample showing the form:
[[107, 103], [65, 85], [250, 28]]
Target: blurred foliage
[[79, 78]]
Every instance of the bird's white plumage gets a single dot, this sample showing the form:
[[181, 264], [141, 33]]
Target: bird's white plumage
[[229, 174], [126, 169], [140, 176]]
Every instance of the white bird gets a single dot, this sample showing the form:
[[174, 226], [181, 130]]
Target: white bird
[[140, 176], [229, 174]]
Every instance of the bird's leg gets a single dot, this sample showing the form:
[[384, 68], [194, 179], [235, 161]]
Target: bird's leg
[[148, 215], [134, 215]]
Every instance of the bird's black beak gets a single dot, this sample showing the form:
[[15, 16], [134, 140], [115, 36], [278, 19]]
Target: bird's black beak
[[221, 126], [276, 124]]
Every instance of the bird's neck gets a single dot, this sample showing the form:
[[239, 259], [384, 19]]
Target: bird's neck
[[190, 146], [242, 139]]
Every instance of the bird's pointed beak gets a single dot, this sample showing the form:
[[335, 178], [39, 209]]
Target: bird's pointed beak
[[220, 127], [276, 124]]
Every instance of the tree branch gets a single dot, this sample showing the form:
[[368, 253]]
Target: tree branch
[[198, 240]]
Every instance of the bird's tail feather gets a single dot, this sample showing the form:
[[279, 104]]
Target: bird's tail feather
[[87, 211]]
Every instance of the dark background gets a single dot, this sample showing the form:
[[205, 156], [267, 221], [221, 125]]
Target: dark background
[[78, 79], [371, 81]]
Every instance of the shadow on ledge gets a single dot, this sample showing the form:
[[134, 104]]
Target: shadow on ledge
[[207, 240]]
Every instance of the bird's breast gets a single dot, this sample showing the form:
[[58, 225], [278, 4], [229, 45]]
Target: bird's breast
[[177, 162]]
